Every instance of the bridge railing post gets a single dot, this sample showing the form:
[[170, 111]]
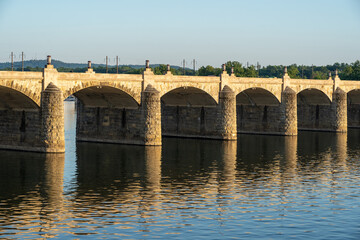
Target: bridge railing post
[[148, 76], [224, 77], [50, 74]]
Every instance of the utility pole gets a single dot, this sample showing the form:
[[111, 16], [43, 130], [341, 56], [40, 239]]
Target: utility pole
[[194, 62], [312, 71], [12, 61], [106, 64], [22, 60], [302, 71], [184, 66], [117, 64]]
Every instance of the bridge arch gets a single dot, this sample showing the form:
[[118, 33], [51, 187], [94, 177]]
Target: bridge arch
[[104, 96], [116, 88], [20, 90], [15, 99], [314, 110], [354, 96], [257, 96], [258, 111], [20, 121], [313, 96], [189, 112], [188, 96]]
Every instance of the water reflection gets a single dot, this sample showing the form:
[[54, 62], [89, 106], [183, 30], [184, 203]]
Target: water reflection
[[265, 186], [31, 191]]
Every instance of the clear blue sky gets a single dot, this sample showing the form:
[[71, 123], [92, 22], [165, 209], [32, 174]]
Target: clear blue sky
[[167, 31]]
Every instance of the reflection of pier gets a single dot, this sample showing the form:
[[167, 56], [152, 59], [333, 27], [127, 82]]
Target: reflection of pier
[[32, 191]]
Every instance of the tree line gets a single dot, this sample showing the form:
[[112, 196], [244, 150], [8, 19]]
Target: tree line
[[346, 71]]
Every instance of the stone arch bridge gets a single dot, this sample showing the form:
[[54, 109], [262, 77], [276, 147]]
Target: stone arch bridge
[[139, 109]]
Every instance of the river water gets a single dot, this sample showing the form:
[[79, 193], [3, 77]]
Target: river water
[[260, 187]]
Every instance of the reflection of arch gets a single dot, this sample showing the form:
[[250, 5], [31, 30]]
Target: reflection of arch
[[188, 96], [354, 96], [312, 96], [256, 96], [82, 86], [105, 96], [11, 98]]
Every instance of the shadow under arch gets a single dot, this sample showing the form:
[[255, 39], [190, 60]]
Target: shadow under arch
[[12, 99], [353, 108], [314, 110], [189, 112], [20, 121], [188, 96], [257, 111], [105, 96]]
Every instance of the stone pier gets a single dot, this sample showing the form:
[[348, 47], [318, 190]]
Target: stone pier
[[52, 118], [151, 115]]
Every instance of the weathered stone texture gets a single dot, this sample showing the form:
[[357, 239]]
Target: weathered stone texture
[[20, 130], [339, 111], [182, 121], [227, 124], [259, 119], [289, 112], [315, 117], [52, 112], [353, 115], [151, 115]]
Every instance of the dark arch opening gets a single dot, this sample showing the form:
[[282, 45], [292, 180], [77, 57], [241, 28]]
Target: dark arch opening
[[257, 111], [188, 96], [105, 96], [14, 100], [20, 121], [313, 97], [353, 108], [256, 96], [314, 110], [188, 112]]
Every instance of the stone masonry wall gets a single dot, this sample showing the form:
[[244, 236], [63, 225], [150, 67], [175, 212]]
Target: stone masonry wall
[[258, 119], [113, 125], [20, 130], [314, 117], [182, 121], [353, 115]]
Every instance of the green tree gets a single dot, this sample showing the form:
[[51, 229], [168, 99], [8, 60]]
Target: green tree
[[293, 71]]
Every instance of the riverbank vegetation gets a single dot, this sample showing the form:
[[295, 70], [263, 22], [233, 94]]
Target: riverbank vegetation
[[346, 71]]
